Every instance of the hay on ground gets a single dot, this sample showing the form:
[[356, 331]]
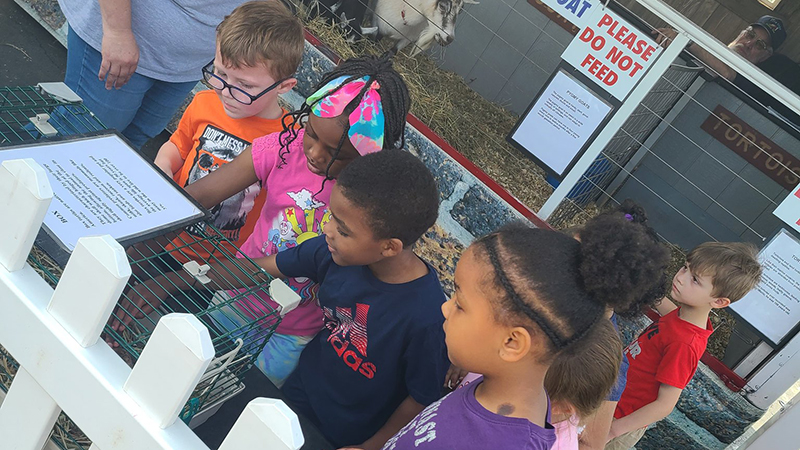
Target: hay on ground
[[474, 126]]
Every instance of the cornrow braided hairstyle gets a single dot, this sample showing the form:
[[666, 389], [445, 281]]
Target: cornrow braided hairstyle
[[543, 285], [395, 101]]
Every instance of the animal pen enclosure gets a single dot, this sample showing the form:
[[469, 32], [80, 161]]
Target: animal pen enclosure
[[238, 321], [454, 105]]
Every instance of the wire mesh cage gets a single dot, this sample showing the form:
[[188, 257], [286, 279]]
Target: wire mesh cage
[[234, 308], [30, 113], [227, 294], [595, 182]]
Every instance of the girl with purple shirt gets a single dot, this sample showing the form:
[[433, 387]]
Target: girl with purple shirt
[[522, 297]]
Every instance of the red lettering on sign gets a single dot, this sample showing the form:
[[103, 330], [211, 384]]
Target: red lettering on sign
[[601, 71], [627, 38]]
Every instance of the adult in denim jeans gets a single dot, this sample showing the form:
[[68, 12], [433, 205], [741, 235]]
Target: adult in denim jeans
[[134, 63]]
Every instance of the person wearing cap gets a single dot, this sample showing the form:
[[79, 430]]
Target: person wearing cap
[[758, 44]]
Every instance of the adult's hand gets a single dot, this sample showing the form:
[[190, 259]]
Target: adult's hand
[[120, 58]]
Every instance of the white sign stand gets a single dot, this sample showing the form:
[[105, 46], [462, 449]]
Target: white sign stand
[[103, 186], [614, 124]]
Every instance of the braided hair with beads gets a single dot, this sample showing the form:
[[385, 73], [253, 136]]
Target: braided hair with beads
[[395, 101]]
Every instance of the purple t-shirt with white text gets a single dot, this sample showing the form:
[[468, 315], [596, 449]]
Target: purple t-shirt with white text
[[458, 421]]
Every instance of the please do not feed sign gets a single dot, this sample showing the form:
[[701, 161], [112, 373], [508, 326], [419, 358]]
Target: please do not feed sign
[[612, 53]]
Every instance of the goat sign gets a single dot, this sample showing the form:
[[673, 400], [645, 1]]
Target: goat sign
[[612, 53], [579, 12]]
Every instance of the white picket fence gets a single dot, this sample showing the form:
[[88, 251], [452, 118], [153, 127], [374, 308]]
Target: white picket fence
[[64, 365]]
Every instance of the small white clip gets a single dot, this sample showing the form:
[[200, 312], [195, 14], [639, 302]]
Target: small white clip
[[283, 295], [41, 123], [198, 271]]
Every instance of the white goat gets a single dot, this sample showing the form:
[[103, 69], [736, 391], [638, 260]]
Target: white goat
[[418, 22]]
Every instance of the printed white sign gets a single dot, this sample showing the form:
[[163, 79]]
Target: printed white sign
[[612, 53], [773, 307], [578, 12], [102, 186], [562, 120], [789, 210]]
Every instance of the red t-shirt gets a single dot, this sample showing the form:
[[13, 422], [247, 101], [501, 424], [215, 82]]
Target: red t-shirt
[[207, 139], [667, 352]]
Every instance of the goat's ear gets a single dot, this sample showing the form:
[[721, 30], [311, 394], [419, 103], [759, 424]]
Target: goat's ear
[[471, 2]]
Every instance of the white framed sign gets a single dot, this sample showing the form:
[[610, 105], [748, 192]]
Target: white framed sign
[[773, 307], [789, 209], [611, 52], [103, 186], [560, 123]]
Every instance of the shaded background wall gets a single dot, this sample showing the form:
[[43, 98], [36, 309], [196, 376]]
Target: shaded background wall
[[506, 49], [725, 18]]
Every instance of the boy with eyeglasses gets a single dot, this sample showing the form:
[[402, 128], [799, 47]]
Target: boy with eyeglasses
[[259, 46]]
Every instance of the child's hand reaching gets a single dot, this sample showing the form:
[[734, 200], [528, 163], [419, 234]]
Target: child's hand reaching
[[454, 377]]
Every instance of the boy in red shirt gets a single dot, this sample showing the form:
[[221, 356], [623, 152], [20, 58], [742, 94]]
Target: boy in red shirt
[[259, 46], [664, 358]]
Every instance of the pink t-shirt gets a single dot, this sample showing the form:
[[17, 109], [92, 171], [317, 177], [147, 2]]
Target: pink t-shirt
[[566, 434], [293, 212]]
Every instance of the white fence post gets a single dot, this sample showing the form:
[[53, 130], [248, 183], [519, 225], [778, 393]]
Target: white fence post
[[92, 282], [166, 373], [26, 194], [54, 336], [27, 415], [265, 424]]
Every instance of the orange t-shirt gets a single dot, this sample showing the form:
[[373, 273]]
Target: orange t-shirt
[[208, 138]]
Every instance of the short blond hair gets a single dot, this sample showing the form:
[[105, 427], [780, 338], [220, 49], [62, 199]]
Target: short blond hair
[[733, 267], [262, 32]]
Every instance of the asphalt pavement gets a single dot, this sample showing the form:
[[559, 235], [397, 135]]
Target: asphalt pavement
[[28, 53]]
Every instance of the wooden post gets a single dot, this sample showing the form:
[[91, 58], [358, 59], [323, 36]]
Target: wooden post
[[265, 424]]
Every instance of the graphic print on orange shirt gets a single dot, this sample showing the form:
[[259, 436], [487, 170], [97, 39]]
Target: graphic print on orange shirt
[[215, 149]]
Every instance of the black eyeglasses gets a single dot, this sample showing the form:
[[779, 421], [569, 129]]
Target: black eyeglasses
[[751, 35], [237, 93]]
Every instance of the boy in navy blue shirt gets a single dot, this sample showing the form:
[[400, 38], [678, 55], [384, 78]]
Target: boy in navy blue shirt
[[381, 356]]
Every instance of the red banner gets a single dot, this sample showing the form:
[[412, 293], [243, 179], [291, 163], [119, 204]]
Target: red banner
[[753, 146]]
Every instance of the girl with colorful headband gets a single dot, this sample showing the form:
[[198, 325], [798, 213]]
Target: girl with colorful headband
[[358, 108]]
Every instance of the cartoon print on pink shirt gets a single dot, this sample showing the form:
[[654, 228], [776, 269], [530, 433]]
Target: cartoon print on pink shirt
[[293, 226]]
